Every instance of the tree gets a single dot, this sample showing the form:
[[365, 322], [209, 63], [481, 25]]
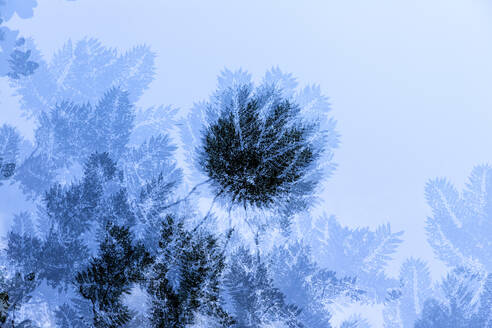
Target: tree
[[459, 229], [119, 264], [313, 104], [465, 302], [184, 281], [83, 72], [9, 151], [83, 100], [308, 286], [14, 292], [353, 252], [408, 299], [254, 299], [108, 225], [70, 223], [257, 152]]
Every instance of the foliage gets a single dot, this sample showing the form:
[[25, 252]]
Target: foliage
[[358, 252], [140, 164], [14, 292], [275, 87], [258, 153], [66, 222], [467, 300], [152, 122], [355, 321], [308, 286], [9, 151], [78, 314], [20, 65], [14, 55], [108, 223], [253, 296], [185, 278], [460, 227], [408, 299], [152, 207], [83, 72], [119, 264], [69, 133]]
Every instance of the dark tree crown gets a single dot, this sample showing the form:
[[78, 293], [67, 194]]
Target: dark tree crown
[[258, 152]]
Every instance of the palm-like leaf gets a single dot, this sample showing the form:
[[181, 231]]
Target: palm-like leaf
[[83, 72], [461, 225]]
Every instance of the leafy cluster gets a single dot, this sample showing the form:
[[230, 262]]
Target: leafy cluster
[[358, 252], [236, 89], [459, 233], [14, 291], [185, 279], [111, 274], [464, 303], [460, 228], [15, 55], [308, 286], [257, 153], [256, 301], [9, 151], [82, 73], [107, 239]]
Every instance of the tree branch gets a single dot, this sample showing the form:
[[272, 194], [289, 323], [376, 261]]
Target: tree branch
[[187, 196]]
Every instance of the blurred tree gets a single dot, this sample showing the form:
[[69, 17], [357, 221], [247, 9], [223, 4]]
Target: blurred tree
[[465, 302], [255, 301]]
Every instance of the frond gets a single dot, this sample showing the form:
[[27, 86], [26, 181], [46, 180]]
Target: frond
[[136, 70], [83, 72], [152, 122], [150, 159], [459, 228], [416, 289], [9, 151]]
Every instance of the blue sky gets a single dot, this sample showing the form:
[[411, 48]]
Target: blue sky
[[410, 82]]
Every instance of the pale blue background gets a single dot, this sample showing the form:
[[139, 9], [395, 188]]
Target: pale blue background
[[410, 82]]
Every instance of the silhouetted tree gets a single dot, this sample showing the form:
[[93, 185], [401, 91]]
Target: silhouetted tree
[[119, 264], [185, 280], [258, 152]]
